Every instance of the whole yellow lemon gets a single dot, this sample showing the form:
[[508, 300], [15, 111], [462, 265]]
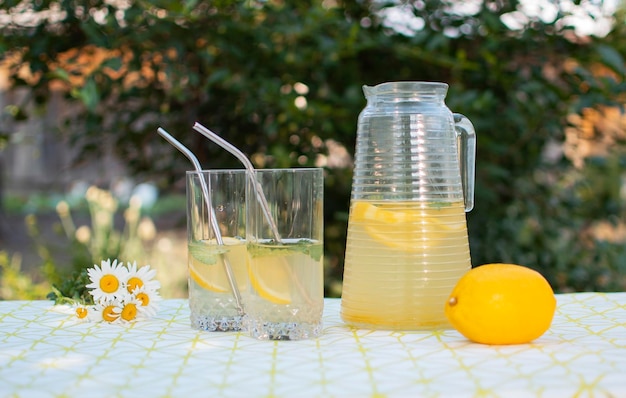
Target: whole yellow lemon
[[501, 304]]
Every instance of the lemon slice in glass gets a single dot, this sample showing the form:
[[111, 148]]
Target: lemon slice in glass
[[206, 266], [270, 276]]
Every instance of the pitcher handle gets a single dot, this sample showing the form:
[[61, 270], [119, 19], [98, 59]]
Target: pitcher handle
[[466, 146]]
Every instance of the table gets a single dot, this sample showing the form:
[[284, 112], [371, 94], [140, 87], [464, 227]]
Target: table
[[45, 352]]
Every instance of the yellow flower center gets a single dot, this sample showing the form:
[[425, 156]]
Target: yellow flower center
[[129, 312], [81, 312], [108, 314], [144, 298], [134, 283], [109, 283]]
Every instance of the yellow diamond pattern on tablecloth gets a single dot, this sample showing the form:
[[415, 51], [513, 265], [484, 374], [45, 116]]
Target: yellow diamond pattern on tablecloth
[[46, 352]]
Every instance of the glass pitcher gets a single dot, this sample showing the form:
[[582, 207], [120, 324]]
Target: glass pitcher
[[413, 181]]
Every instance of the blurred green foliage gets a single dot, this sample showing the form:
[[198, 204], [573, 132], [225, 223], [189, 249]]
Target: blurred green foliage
[[17, 285], [243, 68], [89, 245]]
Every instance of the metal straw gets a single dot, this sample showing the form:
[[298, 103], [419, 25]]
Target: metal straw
[[251, 173], [213, 219]]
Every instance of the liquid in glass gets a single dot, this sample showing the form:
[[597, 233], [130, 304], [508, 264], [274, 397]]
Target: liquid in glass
[[286, 289]]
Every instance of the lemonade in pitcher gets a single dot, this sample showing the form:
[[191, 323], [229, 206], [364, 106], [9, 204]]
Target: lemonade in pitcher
[[211, 299], [409, 256]]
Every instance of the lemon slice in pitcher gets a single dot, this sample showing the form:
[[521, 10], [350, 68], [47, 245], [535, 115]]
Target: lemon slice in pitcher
[[408, 226]]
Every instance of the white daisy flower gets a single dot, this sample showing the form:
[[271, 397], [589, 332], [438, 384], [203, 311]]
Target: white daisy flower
[[107, 310], [142, 277], [107, 280], [148, 300], [87, 313], [82, 312], [128, 309]]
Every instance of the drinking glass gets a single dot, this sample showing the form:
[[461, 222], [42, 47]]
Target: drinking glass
[[212, 300], [285, 295]]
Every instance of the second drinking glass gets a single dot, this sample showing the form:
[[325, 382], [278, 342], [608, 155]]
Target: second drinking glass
[[285, 295]]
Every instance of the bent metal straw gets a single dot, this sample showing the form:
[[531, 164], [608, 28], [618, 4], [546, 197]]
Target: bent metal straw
[[251, 174], [207, 199]]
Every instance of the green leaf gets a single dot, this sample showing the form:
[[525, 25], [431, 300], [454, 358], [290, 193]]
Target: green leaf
[[612, 58], [113, 63], [273, 248], [89, 94], [61, 74], [204, 253]]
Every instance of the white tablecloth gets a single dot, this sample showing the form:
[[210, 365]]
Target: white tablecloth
[[44, 352]]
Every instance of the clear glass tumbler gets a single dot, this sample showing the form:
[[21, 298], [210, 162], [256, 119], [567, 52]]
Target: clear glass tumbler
[[212, 301], [285, 296]]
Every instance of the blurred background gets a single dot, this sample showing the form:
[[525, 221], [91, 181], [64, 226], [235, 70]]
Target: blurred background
[[85, 84]]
